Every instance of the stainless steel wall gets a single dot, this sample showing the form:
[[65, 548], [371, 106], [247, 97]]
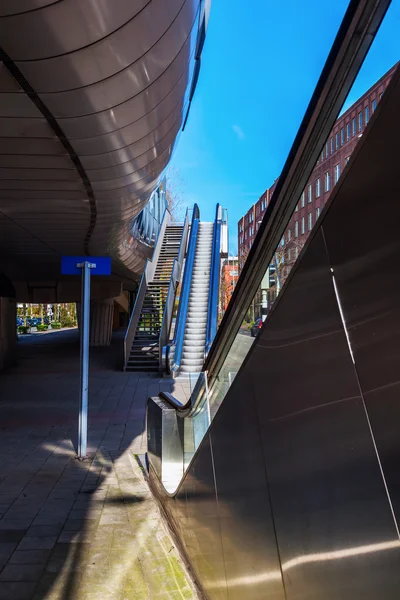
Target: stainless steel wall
[[295, 492]]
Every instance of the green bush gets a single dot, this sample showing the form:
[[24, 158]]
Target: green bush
[[250, 325], [24, 329], [56, 325], [68, 322], [42, 327]]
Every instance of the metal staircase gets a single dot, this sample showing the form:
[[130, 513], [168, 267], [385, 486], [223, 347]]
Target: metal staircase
[[196, 322], [144, 352]]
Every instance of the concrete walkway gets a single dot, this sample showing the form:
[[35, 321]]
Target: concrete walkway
[[72, 530]]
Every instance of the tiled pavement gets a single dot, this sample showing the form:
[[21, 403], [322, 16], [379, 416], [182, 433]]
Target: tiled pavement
[[72, 530]]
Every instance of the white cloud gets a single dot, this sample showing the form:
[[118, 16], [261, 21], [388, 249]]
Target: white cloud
[[239, 132]]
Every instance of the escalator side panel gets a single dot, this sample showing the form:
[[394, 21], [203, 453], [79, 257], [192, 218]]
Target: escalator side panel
[[193, 514], [327, 491], [245, 519], [366, 267]]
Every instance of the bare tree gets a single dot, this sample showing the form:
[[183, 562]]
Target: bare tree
[[175, 194], [284, 258]]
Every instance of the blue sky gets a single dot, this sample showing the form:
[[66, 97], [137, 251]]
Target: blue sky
[[260, 65]]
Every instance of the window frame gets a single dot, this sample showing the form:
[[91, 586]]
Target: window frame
[[327, 182], [336, 176], [317, 187]]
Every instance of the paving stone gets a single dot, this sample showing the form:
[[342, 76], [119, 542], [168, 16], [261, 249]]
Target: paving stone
[[21, 572], [91, 525], [17, 590], [29, 557], [37, 543]]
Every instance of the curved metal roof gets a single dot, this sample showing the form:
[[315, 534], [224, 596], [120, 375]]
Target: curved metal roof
[[92, 96]]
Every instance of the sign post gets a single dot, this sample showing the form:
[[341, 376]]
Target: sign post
[[84, 265]]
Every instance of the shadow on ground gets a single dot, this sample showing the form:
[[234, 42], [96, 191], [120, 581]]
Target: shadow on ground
[[72, 530]]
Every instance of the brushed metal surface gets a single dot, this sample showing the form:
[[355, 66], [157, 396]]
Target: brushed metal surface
[[304, 449], [366, 267], [327, 492], [115, 76]]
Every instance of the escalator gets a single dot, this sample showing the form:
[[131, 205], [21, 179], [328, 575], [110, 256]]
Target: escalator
[[279, 475], [194, 250], [196, 321]]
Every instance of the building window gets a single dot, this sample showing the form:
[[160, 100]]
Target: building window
[[289, 235], [348, 132], [289, 254], [309, 221], [366, 114], [317, 213], [310, 193], [303, 225], [337, 173], [296, 251], [327, 181], [302, 200], [318, 188], [296, 229], [332, 145], [380, 96], [337, 141], [354, 126], [342, 136], [373, 105], [322, 155], [360, 121], [347, 159], [297, 208], [326, 150]]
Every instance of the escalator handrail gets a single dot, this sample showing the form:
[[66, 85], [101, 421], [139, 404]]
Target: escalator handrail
[[172, 287], [213, 293], [185, 291]]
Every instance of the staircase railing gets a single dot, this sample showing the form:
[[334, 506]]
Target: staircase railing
[[170, 300], [147, 277], [215, 274], [174, 350]]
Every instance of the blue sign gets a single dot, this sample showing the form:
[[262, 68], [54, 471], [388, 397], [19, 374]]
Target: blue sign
[[99, 265]]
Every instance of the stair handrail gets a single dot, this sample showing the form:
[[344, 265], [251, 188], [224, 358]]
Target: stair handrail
[[215, 274], [147, 277], [170, 300], [177, 343]]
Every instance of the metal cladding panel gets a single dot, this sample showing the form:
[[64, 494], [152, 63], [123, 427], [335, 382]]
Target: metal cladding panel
[[328, 496], [366, 268], [111, 89], [202, 535], [245, 519], [84, 23], [308, 434]]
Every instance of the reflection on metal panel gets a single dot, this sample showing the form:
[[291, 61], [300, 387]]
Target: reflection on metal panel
[[305, 446], [107, 90], [366, 267]]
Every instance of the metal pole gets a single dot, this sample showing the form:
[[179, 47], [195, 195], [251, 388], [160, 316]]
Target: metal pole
[[84, 383]]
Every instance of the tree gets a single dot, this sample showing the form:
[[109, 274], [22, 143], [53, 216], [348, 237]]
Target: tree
[[284, 258], [175, 194]]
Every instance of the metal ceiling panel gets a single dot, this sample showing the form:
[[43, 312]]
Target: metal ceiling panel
[[83, 24], [90, 108], [106, 57]]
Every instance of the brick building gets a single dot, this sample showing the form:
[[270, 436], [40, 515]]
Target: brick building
[[229, 277], [335, 155]]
